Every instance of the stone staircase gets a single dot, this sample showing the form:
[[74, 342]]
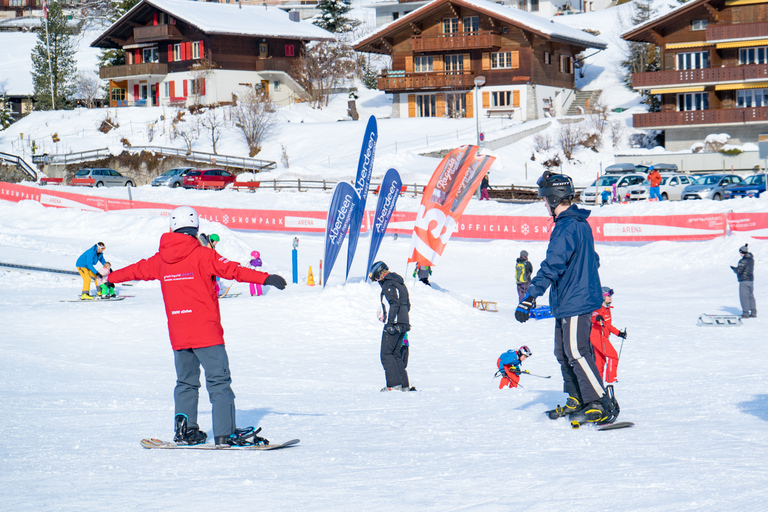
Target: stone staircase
[[583, 102]]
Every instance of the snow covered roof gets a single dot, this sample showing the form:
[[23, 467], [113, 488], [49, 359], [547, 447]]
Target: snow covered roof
[[542, 26], [663, 16], [230, 19]]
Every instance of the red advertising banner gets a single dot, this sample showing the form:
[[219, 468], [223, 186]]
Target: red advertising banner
[[657, 228], [754, 224]]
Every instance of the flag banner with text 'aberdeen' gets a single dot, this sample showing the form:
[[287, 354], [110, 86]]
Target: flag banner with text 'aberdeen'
[[343, 204], [388, 194]]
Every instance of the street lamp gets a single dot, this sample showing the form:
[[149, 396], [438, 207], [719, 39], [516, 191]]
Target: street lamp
[[479, 81]]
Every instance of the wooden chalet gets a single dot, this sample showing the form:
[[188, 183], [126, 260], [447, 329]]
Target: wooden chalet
[[714, 71], [441, 50], [180, 52]]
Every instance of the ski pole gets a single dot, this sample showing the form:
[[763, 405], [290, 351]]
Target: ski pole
[[622, 345], [534, 375]]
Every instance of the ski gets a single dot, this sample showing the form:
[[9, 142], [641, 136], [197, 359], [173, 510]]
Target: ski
[[152, 443], [121, 297], [719, 320]]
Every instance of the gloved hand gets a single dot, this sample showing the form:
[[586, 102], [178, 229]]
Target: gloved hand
[[401, 328], [599, 318], [391, 329], [276, 281], [523, 311], [622, 334]]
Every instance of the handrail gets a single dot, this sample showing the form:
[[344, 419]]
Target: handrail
[[17, 160]]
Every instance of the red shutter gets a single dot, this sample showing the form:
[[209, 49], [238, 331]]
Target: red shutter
[[185, 88], [135, 92], [202, 86], [170, 53], [137, 56], [188, 50], [157, 95], [154, 19], [289, 50], [202, 50], [172, 89], [183, 51]]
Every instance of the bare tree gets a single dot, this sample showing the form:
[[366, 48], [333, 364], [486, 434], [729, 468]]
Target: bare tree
[[569, 137], [254, 114], [599, 116], [188, 130], [321, 67], [89, 87], [212, 120]]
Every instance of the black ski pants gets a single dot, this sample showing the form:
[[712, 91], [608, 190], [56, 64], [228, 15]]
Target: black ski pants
[[573, 350], [392, 360]]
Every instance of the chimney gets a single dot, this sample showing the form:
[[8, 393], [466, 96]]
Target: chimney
[[294, 16]]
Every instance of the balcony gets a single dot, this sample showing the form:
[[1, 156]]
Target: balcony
[[133, 70], [154, 33], [737, 31], [457, 41], [660, 120], [395, 81], [704, 76]]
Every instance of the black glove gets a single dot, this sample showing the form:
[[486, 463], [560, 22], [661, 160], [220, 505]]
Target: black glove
[[401, 328], [523, 311], [391, 329], [622, 334], [733, 268], [276, 281], [599, 318]]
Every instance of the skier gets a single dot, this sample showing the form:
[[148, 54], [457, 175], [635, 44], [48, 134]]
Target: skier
[[185, 270], [655, 179], [509, 366], [106, 289], [570, 268], [423, 272], [523, 273], [255, 264], [397, 324], [601, 330], [85, 266], [745, 272]]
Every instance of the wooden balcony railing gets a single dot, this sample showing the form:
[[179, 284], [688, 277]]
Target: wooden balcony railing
[[394, 81], [156, 33], [700, 76], [457, 41], [737, 31], [700, 117], [148, 68]]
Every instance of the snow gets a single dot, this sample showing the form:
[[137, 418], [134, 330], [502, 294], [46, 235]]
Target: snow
[[83, 383]]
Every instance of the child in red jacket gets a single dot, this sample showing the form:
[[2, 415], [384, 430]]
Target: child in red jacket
[[601, 330]]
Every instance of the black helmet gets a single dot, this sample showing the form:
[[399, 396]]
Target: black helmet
[[376, 270], [555, 187]]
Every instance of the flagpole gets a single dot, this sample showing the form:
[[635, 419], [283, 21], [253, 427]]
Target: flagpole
[[48, 47]]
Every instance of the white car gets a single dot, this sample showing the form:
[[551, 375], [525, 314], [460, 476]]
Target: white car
[[671, 188], [623, 183]]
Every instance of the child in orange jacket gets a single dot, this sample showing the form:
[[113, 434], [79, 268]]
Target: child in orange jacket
[[601, 331]]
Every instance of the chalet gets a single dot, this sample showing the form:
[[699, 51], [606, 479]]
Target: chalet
[[522, 63], [714, 71], [19, 8], [180, 52]]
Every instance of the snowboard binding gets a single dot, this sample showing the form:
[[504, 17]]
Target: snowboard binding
[[185, 435], [242, 437]]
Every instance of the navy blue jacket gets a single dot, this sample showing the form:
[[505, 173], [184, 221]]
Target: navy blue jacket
[[89, 259], [570, 267]]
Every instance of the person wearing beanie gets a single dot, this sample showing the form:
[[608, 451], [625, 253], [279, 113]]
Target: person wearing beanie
[[523, 273], [745, 272], [186, 271]]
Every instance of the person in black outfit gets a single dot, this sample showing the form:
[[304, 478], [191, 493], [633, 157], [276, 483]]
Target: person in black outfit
[[745, 272], [396, 325]]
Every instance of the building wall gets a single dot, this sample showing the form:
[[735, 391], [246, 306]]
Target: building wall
[[682, 138]]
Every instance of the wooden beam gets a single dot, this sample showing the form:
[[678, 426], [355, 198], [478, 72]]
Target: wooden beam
[[453, 9], [657, 37], [416, 29], [117, 41], [712, 11], [386, 44]]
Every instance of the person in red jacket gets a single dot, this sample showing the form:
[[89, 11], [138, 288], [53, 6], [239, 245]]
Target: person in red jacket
[[655, 180], [186, 271], [601, 330]]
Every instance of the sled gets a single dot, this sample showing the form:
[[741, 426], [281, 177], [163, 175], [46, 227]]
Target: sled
[[719, 320], [485, 305], [541, 312]]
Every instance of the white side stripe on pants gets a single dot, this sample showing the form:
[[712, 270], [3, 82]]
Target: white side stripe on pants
[[573, 323]]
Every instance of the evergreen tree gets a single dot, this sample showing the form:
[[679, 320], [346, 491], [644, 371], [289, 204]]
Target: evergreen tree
[[332, 17], [116, 56], [5, 114], [643, 57], [62, 61]]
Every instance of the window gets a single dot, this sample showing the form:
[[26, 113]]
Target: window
[[699, 25], [547, 58], [534, 5], [566, 64], [693, 60], [522, 5], [752, 98], [693, 101], [422, 64], [453, 63], [471, 24], [176, 52], [450, 25], [118, 94], [426, 105], [166, 90], [276, 85], [757, 55], [456, 105], [502, 99], [502, 60], [150, 55], [196, 50], [289, 50], [395, 15]]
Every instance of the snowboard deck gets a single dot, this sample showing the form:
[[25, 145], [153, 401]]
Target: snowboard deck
[[119, 297], [719, 320], [152, 443], [605, 426]]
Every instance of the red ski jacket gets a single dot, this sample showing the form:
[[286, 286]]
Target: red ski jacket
[[187, 271], [600, 332]]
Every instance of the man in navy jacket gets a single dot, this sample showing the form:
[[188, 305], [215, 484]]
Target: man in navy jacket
[[570, 272]]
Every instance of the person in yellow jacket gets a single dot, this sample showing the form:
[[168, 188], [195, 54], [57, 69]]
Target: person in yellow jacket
[[85, 265]]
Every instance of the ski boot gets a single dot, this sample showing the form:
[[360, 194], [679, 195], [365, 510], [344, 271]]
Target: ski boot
[[242, 437], [571, 406], [185, 435], [86, 296], [602, 411]]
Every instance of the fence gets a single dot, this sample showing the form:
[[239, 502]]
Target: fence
[[20, 162]]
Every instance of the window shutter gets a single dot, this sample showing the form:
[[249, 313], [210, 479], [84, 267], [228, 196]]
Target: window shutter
[[516, 99], [135, 92], [486, 64], [170, 53], [470, 105], [172, 89], [182, 51], [440, 105], [202, 86], [411, 105], [154, 19], [466, 64], [515, 59], [438, 64], [188, 50], [201, 49], [409, 64], [137, 56], [570, 65], [486, 99], [185, 88]]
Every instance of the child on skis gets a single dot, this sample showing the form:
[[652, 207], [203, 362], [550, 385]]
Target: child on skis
[[105, 289], [601, 330], [509, 366]]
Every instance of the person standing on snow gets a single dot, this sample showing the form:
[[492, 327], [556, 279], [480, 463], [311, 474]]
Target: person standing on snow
[[85, 266], [423, 272], [745, 272], [523, 273], [655, 180], [186, 270], [484, 187], [602, 327], [570, 269], [397, 324]]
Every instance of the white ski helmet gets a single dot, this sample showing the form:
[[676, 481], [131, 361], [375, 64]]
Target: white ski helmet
[[184, 217]]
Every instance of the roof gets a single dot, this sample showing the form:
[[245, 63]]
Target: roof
[[549, 29], [641, 32], [229, 19]]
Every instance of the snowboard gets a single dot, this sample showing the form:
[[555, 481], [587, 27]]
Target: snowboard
[[152, 443], [605, 426], [120, 297], [719, 320]]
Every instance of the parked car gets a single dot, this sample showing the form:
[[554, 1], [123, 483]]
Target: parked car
[[625, 168], [671, 188], [622, 181], [173, 178], [104, 177], [195, 177], [711, 186], [665, 167], [752, 186]]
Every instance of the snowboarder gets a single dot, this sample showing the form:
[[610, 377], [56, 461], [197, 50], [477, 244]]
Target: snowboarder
[[423, 272], [601, 330], [655, 180], [106, 289], [397, 324], [570, 269], [509, 366], [85, 266], [255, 264], [185, 270], [523, 273], [484, 187], [745, 272]]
